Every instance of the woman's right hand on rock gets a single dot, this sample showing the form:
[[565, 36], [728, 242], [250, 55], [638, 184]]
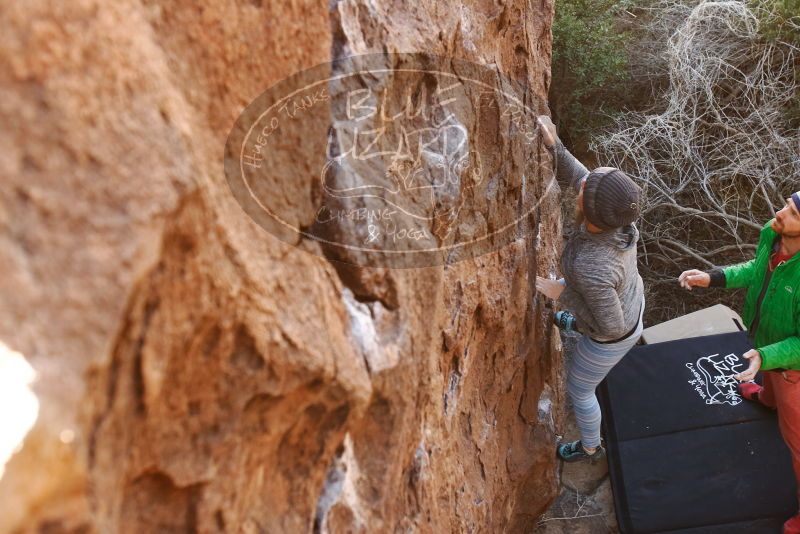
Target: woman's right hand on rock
[[550, 288], [548, 130]]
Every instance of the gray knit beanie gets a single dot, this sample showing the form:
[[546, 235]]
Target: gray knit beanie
[[611, 199]]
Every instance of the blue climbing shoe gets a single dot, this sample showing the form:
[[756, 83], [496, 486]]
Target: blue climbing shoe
[[574, 452]]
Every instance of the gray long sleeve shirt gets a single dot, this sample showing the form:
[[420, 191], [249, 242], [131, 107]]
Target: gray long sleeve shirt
[[603, 287]]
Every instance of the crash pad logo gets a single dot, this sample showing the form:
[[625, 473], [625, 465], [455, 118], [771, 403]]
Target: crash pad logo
[[713, 378], [390, 160]]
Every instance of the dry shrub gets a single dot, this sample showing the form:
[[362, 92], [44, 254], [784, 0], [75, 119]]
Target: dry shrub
[[719, 152]]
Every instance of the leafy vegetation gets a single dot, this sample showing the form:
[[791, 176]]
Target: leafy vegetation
[[590, 65], [780, 19]]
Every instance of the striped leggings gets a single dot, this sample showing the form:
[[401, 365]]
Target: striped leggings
[[590, 364]]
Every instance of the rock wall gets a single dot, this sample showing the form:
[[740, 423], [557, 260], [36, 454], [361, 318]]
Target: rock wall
[[197, 374]]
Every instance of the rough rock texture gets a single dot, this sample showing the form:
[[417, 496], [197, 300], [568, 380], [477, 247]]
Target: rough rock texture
[[211, 376]]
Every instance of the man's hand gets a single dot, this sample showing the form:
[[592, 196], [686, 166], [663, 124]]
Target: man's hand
[[755, 364], [549, 288], [548, 130], [694, 278]]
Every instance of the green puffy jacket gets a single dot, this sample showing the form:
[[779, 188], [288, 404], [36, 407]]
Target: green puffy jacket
[[777, 331]]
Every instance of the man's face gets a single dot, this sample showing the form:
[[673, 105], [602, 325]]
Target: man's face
[[787, 221]]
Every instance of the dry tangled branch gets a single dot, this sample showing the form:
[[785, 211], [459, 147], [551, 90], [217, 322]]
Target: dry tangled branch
[[718, 156]]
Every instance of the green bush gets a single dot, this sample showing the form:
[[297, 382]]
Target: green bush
[[780, 19], [590, 65], [780, 22]]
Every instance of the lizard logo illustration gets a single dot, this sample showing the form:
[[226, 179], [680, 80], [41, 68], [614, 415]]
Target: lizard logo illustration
[[714, 378]]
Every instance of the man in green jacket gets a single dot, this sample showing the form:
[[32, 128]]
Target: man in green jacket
[[772, 314]]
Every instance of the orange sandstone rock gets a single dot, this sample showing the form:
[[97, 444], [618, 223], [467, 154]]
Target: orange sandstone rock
[[212, 377]]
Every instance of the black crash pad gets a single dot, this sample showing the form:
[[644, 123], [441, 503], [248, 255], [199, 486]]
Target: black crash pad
[[686, 453]]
